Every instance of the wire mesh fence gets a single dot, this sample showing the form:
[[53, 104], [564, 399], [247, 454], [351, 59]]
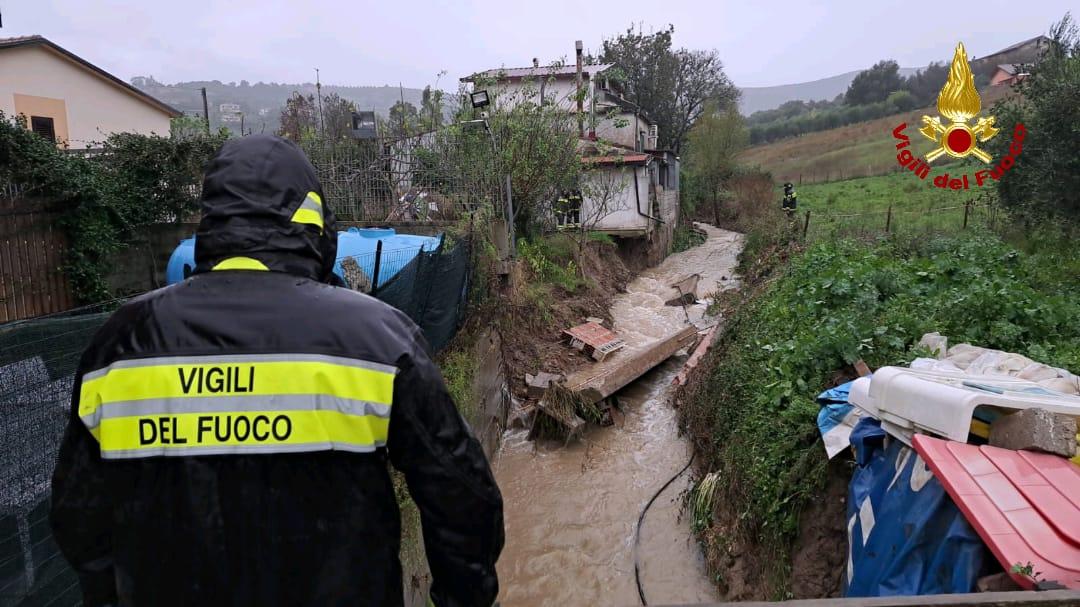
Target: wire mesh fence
[[37, 363], [435, 176], [818, 225]]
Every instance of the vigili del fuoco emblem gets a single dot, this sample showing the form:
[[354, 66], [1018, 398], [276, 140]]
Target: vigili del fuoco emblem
[[959, 102]]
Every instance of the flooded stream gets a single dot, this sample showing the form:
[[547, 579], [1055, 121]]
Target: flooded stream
[[571, 511]]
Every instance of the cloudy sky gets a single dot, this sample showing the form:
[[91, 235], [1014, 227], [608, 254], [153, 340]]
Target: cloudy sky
[[762, 42]]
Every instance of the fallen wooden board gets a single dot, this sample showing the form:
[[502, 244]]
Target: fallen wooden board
[[603, 379], [695, 358]]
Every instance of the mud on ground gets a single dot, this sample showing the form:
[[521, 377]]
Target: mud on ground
[[533, 343]]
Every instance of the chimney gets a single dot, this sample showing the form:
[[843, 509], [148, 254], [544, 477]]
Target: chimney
[[580, 96], [536, 62]]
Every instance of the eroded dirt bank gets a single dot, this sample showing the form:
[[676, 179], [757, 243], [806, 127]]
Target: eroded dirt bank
[[571, 511]]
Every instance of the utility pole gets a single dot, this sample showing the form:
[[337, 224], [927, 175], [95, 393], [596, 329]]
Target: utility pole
[[318, 92], [580, 96], [205, 111]]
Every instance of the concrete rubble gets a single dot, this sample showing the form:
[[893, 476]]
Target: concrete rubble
[[1036, 430]]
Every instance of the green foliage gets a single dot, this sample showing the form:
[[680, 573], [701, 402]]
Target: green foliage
[[551, 260], [134, 181], [1045, 181], [901, 101], [875, 84], [686, 238], [713, 147], [602, 238], [672, 86], [800, 117], [753, 417], [458, 368]]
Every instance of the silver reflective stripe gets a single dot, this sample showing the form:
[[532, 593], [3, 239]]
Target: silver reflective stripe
[[230, 359], [229, 404], [240, 450], [311, 205]]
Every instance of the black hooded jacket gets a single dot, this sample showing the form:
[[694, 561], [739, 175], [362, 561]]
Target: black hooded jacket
[[230, 434]]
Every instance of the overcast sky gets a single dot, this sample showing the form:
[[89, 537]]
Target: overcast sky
[[353, 42]]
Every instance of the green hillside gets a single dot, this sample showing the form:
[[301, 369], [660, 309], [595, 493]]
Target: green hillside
[[857, 150]]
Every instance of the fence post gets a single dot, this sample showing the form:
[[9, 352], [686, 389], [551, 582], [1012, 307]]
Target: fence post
[[375, 272], [806, 224], [967, 208], [888, 219]]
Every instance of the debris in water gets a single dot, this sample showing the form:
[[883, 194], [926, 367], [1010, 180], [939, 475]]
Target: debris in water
[[594, 339], [539, 383]]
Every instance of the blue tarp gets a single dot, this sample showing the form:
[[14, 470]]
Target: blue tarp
[[836, 419], [905, 535]]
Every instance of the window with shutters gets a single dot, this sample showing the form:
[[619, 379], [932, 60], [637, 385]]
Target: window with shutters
[[43, 126]]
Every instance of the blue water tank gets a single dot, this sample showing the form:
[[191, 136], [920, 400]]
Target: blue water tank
[[397, 251], [356, 243], [181, 262]]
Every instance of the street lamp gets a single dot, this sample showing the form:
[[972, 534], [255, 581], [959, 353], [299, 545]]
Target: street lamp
[[479, 99], [364, 126]]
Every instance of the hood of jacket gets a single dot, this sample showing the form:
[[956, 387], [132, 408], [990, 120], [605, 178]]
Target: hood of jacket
[[262, 208]]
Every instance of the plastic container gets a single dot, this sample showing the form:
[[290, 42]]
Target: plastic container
[[181, 262], [909, 401], [358, 244]]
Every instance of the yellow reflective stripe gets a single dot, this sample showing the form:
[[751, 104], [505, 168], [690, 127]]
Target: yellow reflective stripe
[[310, 211], [246, 432], [240, 263], [308, 216], [231, 377]]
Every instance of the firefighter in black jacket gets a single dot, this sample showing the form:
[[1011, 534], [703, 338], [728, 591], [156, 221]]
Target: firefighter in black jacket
[[229, 436]]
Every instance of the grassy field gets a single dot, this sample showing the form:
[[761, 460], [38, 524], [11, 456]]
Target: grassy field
[[856, 150], [862, 206]]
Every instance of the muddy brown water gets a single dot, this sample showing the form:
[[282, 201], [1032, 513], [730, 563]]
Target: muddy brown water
[[571, 511]]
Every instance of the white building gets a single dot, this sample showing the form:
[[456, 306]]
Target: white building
[[630, 189], [69, 100]]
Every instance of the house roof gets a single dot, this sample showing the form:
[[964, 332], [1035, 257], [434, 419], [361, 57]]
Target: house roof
[[21, 41], [1037, 39], [1007, 68], [617, 159], [516, 73]]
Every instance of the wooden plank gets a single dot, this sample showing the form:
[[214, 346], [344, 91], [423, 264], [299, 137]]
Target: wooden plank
[[19, 270], [601, 380], [34, 265], [7, 284], [695, 358], [1051, 598]]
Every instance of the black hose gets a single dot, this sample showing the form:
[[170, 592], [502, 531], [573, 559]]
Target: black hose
[[641, 521]]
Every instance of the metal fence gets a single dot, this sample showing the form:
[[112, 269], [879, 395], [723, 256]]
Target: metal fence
[[436, 176], [817, 225], [37, 364]]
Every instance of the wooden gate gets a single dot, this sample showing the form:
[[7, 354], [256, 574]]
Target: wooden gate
[[32, 249]]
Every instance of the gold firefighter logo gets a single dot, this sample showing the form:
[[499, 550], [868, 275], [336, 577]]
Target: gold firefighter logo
[[959, 102]]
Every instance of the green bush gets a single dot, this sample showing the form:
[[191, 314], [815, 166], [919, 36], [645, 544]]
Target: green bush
[[134, 181], [754, 415]]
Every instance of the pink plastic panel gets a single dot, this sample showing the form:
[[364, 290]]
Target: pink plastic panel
[[1004, 495]]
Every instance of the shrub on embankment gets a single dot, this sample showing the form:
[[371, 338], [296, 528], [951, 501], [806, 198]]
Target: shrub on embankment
[[752, 416]]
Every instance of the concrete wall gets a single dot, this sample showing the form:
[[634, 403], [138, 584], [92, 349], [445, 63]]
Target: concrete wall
[[84, 107], [560, 91], [622, 213], [621, 128], [141, 266]]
